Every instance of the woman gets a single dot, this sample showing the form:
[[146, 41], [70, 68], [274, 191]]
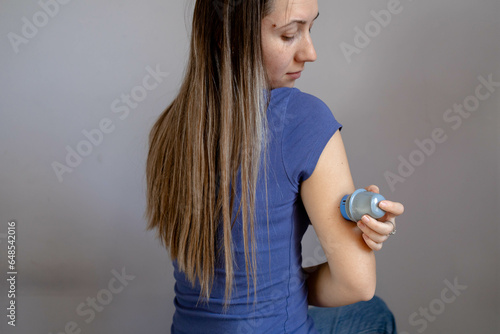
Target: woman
[[239, 164]]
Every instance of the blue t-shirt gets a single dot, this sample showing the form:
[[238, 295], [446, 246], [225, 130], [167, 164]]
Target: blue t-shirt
[[300, 126]]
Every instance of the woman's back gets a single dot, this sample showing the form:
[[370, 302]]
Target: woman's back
[[300, 125]]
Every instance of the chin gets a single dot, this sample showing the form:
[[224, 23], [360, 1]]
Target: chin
[[289, 84]]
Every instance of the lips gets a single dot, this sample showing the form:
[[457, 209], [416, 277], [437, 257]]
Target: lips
[[295, 75]]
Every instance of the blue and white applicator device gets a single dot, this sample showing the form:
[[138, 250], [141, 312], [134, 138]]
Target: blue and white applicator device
[[359, 203]]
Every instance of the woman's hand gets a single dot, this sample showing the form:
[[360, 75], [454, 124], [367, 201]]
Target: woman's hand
[[375, 232]]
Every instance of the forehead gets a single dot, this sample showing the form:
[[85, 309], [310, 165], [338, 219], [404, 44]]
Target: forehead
[[286, 11]]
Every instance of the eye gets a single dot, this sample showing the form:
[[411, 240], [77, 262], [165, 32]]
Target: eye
[[287, 38]]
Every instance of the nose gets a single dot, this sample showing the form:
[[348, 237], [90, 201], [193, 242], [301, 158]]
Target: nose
[[306, 51]]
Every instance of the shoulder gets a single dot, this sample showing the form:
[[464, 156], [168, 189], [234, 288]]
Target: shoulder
[[295, 98], [307, 100], [309, 113], [297, 108]]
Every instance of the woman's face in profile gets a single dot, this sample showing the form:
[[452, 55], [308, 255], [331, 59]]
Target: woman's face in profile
[[286, 40]]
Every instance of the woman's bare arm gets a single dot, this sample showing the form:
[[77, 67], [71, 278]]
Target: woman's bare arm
[[349, 274]]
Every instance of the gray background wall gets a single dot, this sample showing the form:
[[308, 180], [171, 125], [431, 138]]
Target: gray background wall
[[77, 232]]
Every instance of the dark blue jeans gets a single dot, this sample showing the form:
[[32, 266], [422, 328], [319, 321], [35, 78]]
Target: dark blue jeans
[[371, 317]]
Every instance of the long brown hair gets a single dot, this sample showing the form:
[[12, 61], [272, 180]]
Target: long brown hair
[[216, 124]]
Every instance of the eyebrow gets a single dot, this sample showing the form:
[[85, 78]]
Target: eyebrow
[[297, 21]]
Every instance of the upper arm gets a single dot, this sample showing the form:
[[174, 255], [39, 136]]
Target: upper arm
[[348, 255]]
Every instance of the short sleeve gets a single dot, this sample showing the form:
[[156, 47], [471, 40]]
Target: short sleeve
[[308, 126]]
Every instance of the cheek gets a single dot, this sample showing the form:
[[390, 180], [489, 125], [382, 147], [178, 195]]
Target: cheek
[[276, 61]]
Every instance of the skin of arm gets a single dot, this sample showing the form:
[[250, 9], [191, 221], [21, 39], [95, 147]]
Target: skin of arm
[[349, 275]]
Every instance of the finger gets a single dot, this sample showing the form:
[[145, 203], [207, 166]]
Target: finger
[[393, 209], [375, 227], [379, 235], [373, 188], [372, 244]]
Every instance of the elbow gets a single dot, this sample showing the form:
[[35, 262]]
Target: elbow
[[366, 295], [351, 296], [365, 292], [346, 295], [364, 284], [359, 289]]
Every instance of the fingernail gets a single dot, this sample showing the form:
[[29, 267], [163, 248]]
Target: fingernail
[[366, 219], [383, 204]]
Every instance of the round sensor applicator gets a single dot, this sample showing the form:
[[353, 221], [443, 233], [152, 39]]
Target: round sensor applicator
[[359, 203]]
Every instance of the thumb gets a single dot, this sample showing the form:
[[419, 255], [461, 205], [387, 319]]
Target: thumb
[[373, 188]]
